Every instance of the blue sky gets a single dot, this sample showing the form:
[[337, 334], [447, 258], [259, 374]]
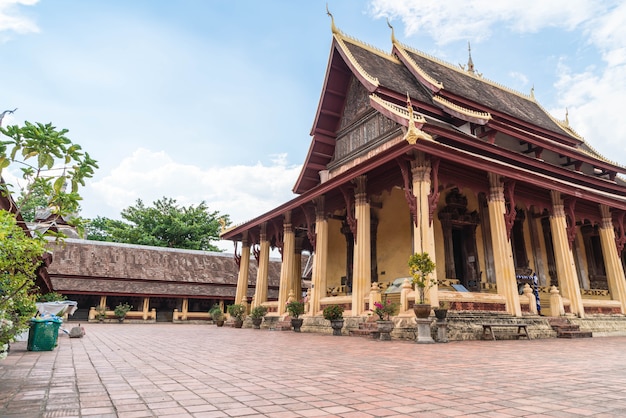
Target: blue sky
[[214, 100]]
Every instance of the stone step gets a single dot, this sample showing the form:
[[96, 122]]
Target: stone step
[[362, 332], [574, 334]]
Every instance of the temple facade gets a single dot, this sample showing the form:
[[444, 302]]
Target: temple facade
[[410, 154]]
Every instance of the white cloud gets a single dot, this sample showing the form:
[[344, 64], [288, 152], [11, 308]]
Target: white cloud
[[595, 97], [12, 20], [241, 191], [450, 20]]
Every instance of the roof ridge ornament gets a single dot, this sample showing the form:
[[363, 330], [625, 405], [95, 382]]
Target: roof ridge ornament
[[412, 133], [470, 63], [393, 36], [333, 28]]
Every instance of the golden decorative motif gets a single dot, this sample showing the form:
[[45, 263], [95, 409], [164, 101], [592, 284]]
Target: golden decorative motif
[[354, 62], [462, 110], [435, 83], [460, 70]]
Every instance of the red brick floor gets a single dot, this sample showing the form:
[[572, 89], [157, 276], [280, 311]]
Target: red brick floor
[[129, 370]]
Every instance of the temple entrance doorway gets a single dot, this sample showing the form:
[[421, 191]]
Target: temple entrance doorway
[[465, 264], [459, 233]]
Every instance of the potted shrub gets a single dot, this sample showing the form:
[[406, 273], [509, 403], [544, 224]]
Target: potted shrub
[[295, 309], [385, 309], [217, 315], [420, 268], [237, 312], [442, 311], [101, 313], [334, 314], [121, 310], [257, 314]]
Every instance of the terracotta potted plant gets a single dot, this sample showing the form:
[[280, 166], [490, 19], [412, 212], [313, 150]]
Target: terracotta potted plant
[[420, 268], [257, 313], [217, 315], [334, 314], [295, 309], [237, 312], [385, 309]]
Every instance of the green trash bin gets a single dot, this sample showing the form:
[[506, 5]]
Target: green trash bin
[[43, 333]]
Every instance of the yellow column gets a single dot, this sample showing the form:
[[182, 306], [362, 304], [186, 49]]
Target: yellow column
[[244, 270], [504, 266], [260, 291], [103, 301], [286, 267], [423, 233], [185, 309], [612, 263], [563, 256], [296, 275], [146, 308], [320, 256], [362, 270]]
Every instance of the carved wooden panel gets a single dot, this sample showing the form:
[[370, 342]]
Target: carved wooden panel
[[373, 128], [357, 101]]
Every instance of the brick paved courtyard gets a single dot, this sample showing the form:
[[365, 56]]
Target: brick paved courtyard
[[131, 370]]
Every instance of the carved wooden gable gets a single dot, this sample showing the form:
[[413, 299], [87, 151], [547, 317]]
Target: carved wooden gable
[[360, 124]]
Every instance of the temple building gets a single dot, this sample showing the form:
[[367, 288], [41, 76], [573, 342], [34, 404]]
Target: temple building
[[410, 154]]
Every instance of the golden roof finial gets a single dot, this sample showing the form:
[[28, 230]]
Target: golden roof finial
[[470, 63], [223, 224], [566, 117], [333, 28], [393, 36], [532, 92]]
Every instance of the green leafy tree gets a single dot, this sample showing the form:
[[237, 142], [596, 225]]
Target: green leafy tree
[[51, 166], [52, 169], [165, 224]]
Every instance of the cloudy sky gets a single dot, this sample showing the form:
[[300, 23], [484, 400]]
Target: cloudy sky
[[214, 100]]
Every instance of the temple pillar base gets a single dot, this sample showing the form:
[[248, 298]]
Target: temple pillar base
[[423, 331]]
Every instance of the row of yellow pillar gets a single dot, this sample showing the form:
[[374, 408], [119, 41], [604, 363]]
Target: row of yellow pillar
[[424, 241]]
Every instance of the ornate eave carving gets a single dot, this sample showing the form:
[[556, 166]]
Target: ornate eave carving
[[463, 113], [409, 196], [511, 212], [568, 207]]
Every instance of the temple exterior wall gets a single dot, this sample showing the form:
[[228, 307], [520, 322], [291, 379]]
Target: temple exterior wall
[[394, 237]]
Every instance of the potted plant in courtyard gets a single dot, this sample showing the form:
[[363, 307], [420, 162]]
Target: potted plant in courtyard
[[121, 310], [257, 313], [334, 314], [217, 315], [101, 313], [385, 309], [237, 312], [420, 268], [442, 311], [295, 309]]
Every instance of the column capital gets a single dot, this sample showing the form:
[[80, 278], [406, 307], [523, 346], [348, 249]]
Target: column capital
[[607, 219], [496, 188], [287, 222], [558, 207], [360, 191], [420, 167], [263, 234], [319, 202]]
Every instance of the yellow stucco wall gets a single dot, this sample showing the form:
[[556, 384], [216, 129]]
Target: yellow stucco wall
[[336, 267], [394, 236]]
